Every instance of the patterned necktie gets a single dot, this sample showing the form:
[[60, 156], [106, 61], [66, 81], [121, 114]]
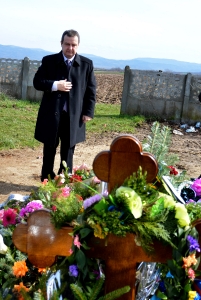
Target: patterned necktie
[[68, 64]]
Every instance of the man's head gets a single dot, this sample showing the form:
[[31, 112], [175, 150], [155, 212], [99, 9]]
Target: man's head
[[69, 43]]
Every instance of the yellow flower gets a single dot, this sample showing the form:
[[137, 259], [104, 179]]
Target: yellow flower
[[152, 186], [20, 268], [98, 231], [191, 295]]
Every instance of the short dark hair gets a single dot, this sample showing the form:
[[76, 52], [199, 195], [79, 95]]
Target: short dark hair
[[70, 33]]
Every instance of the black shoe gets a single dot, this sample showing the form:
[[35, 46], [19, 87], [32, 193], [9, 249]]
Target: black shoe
[[52, 175]]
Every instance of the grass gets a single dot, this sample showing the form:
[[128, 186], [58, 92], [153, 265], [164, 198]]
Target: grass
[[108, 119], [18, 118]]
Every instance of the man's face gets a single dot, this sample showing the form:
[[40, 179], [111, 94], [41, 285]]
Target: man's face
[[69, 46]]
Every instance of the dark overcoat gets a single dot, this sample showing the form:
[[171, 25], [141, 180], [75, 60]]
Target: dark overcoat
[[81, 98]]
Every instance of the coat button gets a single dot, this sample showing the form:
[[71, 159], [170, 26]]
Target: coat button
[[56, 113], [59, 95]]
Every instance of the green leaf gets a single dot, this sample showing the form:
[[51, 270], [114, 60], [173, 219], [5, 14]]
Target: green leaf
[[100, 206], [161, 295], [80, 259], [84, 232]]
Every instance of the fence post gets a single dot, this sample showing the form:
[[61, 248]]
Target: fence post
[[25, 76], [185, 111], [124, 99]]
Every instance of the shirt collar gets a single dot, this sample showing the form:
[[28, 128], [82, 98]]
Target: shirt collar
[[69, 59]]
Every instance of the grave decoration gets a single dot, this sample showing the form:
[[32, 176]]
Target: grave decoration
[[72, 226]]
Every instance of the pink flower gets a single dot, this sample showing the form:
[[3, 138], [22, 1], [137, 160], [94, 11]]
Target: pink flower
[[71, 251], [190, 201], [96, 180], [76, 241], [75, 169], [1, 214], [83, 167], [45, 181], [9, 217], [191, 274], [30, 207], [65, 191], [196, 186]]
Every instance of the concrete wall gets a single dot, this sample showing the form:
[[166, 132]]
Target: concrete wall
[[16, 78], [161, 95]]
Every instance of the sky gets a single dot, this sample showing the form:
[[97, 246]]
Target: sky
[[114, 29]]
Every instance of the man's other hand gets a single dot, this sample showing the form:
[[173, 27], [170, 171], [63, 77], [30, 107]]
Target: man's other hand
[[86, 119]]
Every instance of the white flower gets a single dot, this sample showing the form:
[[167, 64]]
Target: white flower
[[3, 247]]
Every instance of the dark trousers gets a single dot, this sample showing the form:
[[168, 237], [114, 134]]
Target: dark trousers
[[66, 152]]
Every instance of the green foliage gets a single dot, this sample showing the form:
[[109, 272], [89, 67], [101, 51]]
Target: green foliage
[[116, 294], [96, 290], [137, 181], [77, 291], [85, 191], [110, 222], [147, 230], [194, 211], [158, 143], [67, 209]]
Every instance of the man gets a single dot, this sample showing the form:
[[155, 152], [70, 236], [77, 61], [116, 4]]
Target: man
[[68, 82]]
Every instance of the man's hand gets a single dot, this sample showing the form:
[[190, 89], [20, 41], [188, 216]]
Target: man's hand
[[86, 119], [64, 85]]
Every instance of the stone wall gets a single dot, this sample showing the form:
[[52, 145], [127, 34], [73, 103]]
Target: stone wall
[[162, 95]]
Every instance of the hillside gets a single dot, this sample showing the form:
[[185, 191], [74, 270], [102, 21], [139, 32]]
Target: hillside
[[14, 52]]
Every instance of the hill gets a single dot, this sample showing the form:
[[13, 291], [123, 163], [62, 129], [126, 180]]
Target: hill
[[15, 52]]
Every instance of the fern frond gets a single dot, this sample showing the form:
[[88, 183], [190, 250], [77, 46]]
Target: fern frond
[[97, 288], [116, 294], [77, 292], [158, 144]]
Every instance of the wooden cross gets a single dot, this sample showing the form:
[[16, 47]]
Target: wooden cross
[[124, 157], [40, 240]]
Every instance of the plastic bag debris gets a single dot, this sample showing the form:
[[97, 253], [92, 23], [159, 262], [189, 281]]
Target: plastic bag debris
[[191, 129], [184, 126], [177, 132]]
